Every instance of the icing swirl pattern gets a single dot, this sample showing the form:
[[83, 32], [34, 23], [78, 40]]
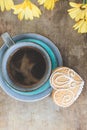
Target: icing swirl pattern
[[67, 85]]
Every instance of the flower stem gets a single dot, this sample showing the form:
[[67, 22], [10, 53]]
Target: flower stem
[[84, 1]]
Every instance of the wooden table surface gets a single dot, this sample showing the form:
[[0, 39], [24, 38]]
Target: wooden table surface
[[45, 115]]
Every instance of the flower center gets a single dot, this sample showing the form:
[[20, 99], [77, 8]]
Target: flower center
[[82, 7]]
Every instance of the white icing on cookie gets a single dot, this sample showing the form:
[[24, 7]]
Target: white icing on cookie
[[68, 86]]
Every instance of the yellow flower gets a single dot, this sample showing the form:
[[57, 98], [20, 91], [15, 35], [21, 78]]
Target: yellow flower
[[79, 11], [49, 4], [6, 4], [27, 10], [81, 26]]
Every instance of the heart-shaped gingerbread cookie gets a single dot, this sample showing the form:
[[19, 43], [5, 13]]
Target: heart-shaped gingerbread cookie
[[67, 85]]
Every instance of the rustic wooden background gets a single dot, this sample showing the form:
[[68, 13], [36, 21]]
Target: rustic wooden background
[[45, 115]]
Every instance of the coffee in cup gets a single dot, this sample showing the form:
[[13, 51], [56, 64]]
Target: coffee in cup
[[26, 66]]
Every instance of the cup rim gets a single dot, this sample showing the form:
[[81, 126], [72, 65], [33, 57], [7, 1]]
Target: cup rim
[[6, 57]]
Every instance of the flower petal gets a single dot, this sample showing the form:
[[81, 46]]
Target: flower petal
[[2, 5], [26, 10]]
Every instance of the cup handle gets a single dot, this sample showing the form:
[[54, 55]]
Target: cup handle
[[7, 39]]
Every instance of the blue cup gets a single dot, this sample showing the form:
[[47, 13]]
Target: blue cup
[[12, 48], [55, 58]]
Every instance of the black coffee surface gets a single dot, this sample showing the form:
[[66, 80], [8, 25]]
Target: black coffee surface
[[26, 66]]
